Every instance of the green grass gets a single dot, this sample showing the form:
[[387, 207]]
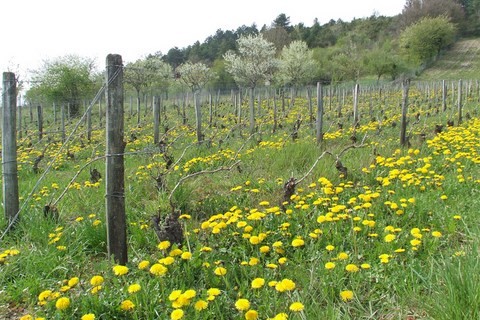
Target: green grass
[[462, 61], [403, 220]]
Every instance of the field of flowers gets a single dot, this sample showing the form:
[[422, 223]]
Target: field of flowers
[[393, 237]]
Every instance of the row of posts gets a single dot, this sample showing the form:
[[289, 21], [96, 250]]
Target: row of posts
[[114, 159]]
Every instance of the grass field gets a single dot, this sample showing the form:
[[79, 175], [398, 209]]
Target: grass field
[[462, 61], [392, 235]]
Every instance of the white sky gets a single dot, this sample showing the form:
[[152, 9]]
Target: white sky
[[37, 30]]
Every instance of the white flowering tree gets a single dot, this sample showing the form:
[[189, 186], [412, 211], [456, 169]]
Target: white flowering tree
[[253, 64], [196, 76], [296, 65]]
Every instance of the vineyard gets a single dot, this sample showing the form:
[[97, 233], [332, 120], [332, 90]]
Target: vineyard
[[262, 224]]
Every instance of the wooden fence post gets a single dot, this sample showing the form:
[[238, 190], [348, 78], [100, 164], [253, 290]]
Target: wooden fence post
[[89, 122], [40, 122], [9, 149], [403, 130], [459, 101], [319, 113], [444, 96], [355, 105], [156, 119], [115, 175], [63, 123], [19, 130]]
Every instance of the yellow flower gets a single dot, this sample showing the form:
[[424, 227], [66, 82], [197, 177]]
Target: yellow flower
[[436, 234], [242, 304], [44, 295], [389, 237], [280, 316], [167, 261], [296, 306], [88, 316], [214, 291], [120, 270], [342, 256], [26, 317], [330, 247], [298, 242], [164, 245], [346, 295], [351, 268], [365, 266], [134, 288], [158, 269], [186, 255], [220, 271], [329, 265], [127, 305], [285, 285], [73, 282], [62, 303], [251, 315], [201, 305], [96, 289], [177, 314], [258, 283], [143, 264]]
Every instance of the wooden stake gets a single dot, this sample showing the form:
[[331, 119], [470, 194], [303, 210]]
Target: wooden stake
[[115, 175], [9, 149]]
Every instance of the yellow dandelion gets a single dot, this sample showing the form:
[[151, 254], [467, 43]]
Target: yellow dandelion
[[251, 315], [127, 305], [329, 265], [96, 281], [346, 295], [177, 314], [258, 283], [296, 306], [220, 271], [62, 303], [134, 288], [120, 270], [242, 304], [201, 305], [88, 316]]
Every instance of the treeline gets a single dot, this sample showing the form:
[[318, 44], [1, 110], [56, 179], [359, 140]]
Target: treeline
[[372, 48], [378, 35]]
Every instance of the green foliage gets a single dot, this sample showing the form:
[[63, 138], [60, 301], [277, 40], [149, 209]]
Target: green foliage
[[423, 41], [67, 79], [195, 75]]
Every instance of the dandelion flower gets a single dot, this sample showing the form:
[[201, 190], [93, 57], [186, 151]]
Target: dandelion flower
[[258, 283], [389, 237], [73, 282], [164, 245], [346, 295], [281, 316], [134, 288], [177, 314], [330, 247], [158, 269], [251, 315], [296, 306], [285, 285], [62, 303], [214, 291], [329, 265], [436, 234], [143, 264], [242, 304], [127, 305], [88, 316], [186, 255], [201, 305], [120, 270], [220, 271], [298, 242], [351, 268]]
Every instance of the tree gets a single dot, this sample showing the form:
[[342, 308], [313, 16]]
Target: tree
[[65, 79], [255, 62], [196, 76], [425, 39], [416, 10], [296, 65], [278, 36], [383, 60], [146, 72]]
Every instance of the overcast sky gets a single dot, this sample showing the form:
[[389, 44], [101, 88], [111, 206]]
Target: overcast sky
[[37, 30]]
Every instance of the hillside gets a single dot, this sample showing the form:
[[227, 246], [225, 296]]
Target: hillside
[[460, 62]]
